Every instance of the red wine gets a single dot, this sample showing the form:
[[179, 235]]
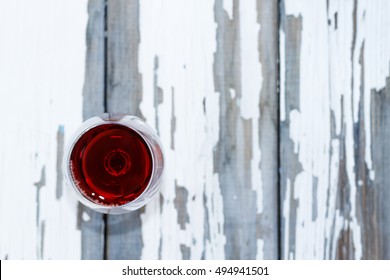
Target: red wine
[[111, 164]]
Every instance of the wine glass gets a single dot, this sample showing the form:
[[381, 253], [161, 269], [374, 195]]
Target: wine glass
[[114, 163]]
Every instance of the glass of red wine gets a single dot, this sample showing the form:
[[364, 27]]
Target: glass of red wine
[[114, 163]]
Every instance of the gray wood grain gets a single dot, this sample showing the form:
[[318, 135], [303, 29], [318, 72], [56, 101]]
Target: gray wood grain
[[267, 223], [363, 216], [124, 94], [93, 91], [290, 165], [233, 152], [93, 104], [234, 149], [124, 88], [243, 226], [375, 196], [335, 194]]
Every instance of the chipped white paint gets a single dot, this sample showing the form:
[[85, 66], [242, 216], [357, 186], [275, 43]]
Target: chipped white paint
[[341, 72], [41, 78], [251, 76], [86, 217], [330, 90], [228, 7], [333, 213], [295, 128], [372, 21], [310, 132], [282, 75], [184, 74], [251, 81], [232, 93], [260, 249], [372, 18], [286, 218]]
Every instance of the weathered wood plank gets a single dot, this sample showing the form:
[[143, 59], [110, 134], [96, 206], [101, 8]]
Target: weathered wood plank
[[211, 95], [41, 77], [124, 94], [238, 77], [204, 74], [176, 57], [267, 215], [334, 67], [372, 92], [90, 222]]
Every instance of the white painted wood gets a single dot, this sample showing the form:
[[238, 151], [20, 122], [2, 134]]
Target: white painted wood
[[185, 76], [344, 55], [92, 223], [42, 58], [177, 58]]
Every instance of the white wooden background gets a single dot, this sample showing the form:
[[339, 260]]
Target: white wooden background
[[334, 114], [237, 90], [42, 61]]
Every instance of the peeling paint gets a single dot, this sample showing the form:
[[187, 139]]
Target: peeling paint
[[173, 121], [291, 166], [86, 217], [60, 155], [377, 198], [339, 165], [206, 236], [353, 44], [267, 167], [158, 92], [93, 104], [314, 211], [160, 248], [292, 27], [42, 241], [39, 185], [79, 216], [233, 154], [365, 195], [125, 95], [185, 251], [161, 202], [345, 246], [40, 224], [180, 203], [228, 7]]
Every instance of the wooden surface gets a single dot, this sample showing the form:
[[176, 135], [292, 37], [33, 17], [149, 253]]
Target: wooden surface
[[167, 63], [91, 223], [274, 118], [334, 67], [42, 61]]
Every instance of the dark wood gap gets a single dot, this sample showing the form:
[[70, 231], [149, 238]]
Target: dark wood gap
[[105, 56], [278, 191], [105, 218]]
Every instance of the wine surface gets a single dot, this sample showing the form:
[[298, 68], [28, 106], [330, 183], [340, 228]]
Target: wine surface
[[111, 164]]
